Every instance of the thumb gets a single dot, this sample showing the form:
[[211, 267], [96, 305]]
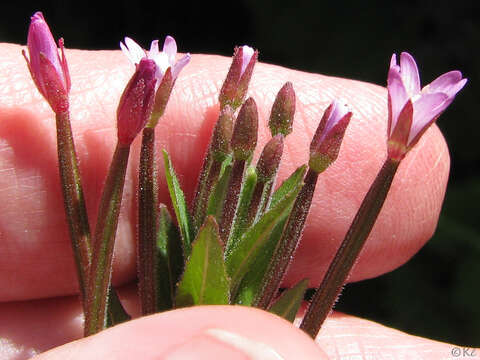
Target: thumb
[[213, 332]]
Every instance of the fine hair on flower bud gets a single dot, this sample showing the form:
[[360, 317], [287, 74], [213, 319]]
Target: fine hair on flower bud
[[136, 103], [244, 137]]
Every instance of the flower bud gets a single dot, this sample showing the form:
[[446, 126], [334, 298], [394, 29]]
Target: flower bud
[[136, 103], [235, 86], [222, 134], [283, 110], [48, 70], [244, 137], [270, 159], [328, 137]]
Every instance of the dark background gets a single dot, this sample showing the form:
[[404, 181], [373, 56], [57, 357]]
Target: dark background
[[437, 293]]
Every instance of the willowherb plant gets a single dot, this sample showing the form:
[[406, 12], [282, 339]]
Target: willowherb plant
[[233, 244]]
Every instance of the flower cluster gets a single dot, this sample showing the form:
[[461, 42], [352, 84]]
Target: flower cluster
[[235, 242]]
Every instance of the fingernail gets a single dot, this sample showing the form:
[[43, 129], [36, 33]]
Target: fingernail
[[221, 344]]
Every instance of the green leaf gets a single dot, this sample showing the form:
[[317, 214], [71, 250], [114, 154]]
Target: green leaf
[[169, 259], [288, 304], [205, 280], [252, 281], [242, 255], [179, 205], [240, 221], [217, 197], [116, 313], [288, 185]]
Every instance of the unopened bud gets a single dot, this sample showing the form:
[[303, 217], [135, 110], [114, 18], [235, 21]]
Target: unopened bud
[[235, 86], [48, 70], [244, 137], [283, 110], [328, 137], [222, 134], [136, 104], [270, 159]]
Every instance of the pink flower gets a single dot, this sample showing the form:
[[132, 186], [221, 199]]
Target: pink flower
[[163, 59], [235, 86], [411, 110], [136, 103], [48, 70], [328, 138]]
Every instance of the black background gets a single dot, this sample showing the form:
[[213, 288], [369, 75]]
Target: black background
[[437, 293]]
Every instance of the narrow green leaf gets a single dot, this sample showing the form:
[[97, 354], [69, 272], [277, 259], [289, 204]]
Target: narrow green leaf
[[225, 163], [116, 313], [288, 185], [242, 255], [217, 197], [170, 259], [240, 221], [179, 205], [205, 280], [288, 304], [251, 282]]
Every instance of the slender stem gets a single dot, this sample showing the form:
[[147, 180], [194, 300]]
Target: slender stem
[[231, 199], [208, 177], [344, 259], [256, 202], [147, 214], [76, 212], [287, 244], [101, 269], [73, 200]]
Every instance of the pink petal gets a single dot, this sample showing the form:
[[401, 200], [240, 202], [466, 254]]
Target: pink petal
[[154, 51], [247, 53], [393, 63], [425, 110], [339, 110], [170, 48], [409, 72], [449, 83], [40, 40], [398, 96], [132, 50], [180, 65]]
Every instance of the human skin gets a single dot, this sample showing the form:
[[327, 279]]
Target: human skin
[[39, 308]]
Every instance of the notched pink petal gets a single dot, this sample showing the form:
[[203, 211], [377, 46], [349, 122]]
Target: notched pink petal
[[409, 73], [170, 48], [426, 109], [154, 50], [449, 83], [398, 96], [133, 51]]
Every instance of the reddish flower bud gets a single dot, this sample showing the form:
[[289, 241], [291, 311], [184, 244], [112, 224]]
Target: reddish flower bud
[[270, 159], [48, 70], [136, 103], [283, 110], [235, 86], [328, 137], [222, 134], [244, 137]]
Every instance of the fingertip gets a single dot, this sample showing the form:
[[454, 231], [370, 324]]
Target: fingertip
[[209, 332]]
